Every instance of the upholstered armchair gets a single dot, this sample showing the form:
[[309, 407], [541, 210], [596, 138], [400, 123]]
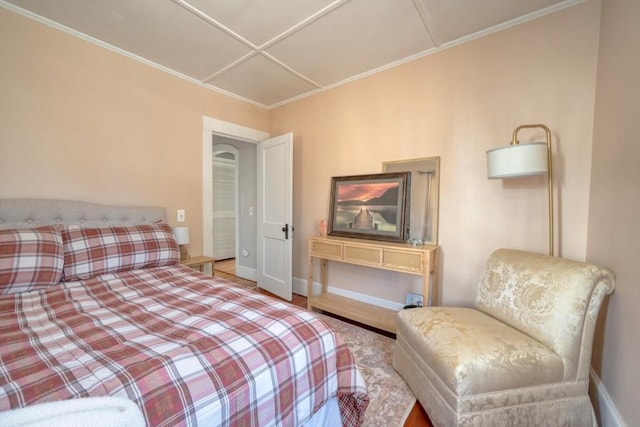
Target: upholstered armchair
[[519, 357]]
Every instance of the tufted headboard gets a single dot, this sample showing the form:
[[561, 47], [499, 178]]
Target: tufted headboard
[[28, 213]]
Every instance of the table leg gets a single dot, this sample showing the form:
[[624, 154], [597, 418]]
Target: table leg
[[309, 281], [324, 274]]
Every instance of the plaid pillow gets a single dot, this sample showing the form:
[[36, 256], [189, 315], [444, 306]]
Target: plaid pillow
[[89, 252], [30, 259]]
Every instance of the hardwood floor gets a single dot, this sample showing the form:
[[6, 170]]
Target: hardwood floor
[[226, 269], [226, 266], [418, 417]]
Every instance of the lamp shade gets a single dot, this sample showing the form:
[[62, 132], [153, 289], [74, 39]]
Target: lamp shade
[[517, 160], [182, 235]]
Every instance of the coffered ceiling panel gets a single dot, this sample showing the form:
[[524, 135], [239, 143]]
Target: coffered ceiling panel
[[453, 19], [269, 52], [260, 21], [160, 31], [262, 80], [358, 36]]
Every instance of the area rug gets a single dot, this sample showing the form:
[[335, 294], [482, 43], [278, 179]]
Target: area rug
[[390, 399]]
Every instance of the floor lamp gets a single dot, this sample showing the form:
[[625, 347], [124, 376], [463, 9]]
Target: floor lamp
[[524, 160]]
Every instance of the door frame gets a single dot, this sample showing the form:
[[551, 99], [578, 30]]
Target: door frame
[[210, 127], [226, 148]]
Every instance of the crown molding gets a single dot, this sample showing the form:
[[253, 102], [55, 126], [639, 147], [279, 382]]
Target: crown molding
[[512, 23]]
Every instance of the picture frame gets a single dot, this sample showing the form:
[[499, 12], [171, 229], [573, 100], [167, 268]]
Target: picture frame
[[425, 189], [374, 206]]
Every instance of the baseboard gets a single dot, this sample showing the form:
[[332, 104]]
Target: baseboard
[[247, 273], [609, 415], [299, 287]]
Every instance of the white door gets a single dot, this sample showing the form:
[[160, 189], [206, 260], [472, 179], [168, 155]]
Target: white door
[[225, 166], [275, 215]]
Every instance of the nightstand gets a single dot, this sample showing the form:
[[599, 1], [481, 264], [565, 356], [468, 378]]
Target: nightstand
[[199, 262]]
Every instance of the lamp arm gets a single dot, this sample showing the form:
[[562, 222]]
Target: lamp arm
[[514, 140]]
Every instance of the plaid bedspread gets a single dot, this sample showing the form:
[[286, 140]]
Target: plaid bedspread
[[187, 348]]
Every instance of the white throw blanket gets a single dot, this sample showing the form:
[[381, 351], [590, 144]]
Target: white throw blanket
[[90, 411]]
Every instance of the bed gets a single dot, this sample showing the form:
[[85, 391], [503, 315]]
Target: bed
[[93, 302]]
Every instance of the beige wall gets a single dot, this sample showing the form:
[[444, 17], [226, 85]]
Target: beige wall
[[457, 104], [80, 122], [614, 210]]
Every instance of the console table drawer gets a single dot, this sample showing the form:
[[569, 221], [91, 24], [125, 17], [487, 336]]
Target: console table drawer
[[402, 260], [326, 249], [362, 255]]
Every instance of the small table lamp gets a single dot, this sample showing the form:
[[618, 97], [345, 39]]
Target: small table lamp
[[182, 238]]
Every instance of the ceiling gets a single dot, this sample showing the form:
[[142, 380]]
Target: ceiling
[[270, 52]]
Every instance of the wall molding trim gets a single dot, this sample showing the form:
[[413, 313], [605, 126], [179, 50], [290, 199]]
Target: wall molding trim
[[299, 286], [247, 273], [609, 415], [212, 126], [438, 47], [125, 53]]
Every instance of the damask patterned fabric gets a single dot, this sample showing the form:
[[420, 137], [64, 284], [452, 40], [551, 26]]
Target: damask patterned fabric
[[489, 355], [520, 357], [544, 297]]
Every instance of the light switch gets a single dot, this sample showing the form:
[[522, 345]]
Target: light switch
[[181, 215]]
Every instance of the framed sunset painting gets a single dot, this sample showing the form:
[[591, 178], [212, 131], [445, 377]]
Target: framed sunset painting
[[370, 206]]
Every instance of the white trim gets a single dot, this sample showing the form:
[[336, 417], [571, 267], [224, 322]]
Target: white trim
[[609, 415], [247, 273], [232, 130], [112, 48], [211, 126], [503, 26], [300, 288], [517, 21], [207, 192]]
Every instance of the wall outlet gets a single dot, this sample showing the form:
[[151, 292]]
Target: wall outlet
[[414, 299]]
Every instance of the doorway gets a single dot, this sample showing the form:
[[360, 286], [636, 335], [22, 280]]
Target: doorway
[[220, 137], [243, 228], [225, 201], [248, 140]]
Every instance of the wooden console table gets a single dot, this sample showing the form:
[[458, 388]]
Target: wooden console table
[[418, 260]]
